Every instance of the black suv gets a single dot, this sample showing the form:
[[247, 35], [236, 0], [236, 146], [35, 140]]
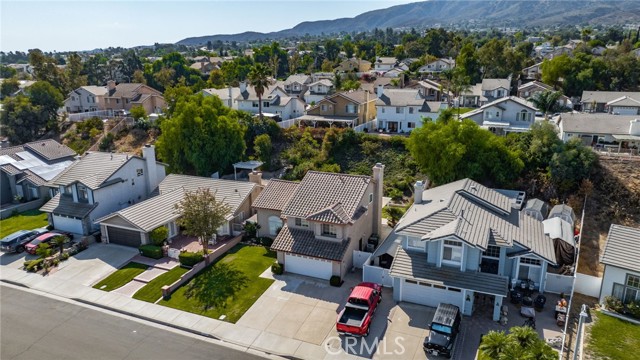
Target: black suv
[[16, 241], [443, 331]]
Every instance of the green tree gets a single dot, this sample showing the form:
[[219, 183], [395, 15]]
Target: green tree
[[468, 62], [9, 87], [331, 49], [73, 72], [159, 235], [138, 112], [258, 78], [201, 136], [48, 99], [21, 121], [546, 101], [570, 166], [201, 214], [43, 250], [7, 72], [59, 241], [263, 149]]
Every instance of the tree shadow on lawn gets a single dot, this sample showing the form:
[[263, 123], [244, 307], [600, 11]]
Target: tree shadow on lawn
[[215, 286]]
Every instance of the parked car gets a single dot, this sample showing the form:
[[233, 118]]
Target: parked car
[[45, 238], [357, 314], [443, 331], [17, 241]]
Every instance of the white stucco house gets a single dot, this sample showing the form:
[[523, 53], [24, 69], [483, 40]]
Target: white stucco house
[[227, 95], [485, 92], [384, 64], [319, 90], [621, 266], [85, 99], [402, 110], [601, 129], [505, 115], [98, 184], [275, 102], [437, 66]]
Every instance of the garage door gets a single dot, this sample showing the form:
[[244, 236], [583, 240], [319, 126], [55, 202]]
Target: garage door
[[123, 236], [67, 224], [426, 294], [308, 266]]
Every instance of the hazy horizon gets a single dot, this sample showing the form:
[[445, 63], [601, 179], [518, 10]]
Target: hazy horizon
[[86, 25]]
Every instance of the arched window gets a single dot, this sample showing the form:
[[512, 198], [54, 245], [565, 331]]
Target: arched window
[[275, 224]]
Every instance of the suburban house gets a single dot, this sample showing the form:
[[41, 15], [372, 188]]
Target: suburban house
[[614, 102], [297, 84], [204, 67], [459, 242], [270, 203], [25, 169], [354, 64], [131, 226], [349, 108], [402, 110], [275, 102], [326, 218], [487, 91], [621, 267], [607, 129], [98, 184], [227, 95], [437, 66], [384, 64], [530, 89], [319, 90], [532, 72], [124, 96], [85, 99], [505, 115]]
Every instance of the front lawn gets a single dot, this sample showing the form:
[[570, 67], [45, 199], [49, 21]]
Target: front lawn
[[27, 220], [153, 290], [228, 287], [121, 277], [612, 338]]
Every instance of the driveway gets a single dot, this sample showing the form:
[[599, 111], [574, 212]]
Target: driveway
[[15, 260], [94, 263]]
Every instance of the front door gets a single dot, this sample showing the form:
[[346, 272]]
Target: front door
[[392, 126]]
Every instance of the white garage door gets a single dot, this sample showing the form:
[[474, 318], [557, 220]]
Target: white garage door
[[425, 294], [67, 224], [308, 266]]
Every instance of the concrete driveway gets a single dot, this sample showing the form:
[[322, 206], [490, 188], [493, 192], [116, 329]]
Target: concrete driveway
[[94, 263], [15, 260]]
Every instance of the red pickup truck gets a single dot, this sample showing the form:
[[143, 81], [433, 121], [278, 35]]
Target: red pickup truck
[[357, 314]]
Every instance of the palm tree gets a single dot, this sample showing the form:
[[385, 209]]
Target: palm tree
[[259, 79], [493, 344], [546, 101], [460, 84], [447, 76], [60, 240]]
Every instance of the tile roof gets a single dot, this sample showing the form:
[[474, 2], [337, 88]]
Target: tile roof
[[606, 96], [622, 248], [534, 204], [596, 123], [93, 169], [10, 169], [535, 84], [320, 191], [386, 60], [358, 96], [275, 195], [400, 97], [414, 266], [562, 210], [299, 78], [496, 103], [64, 205], [124, 90], [304, 242], [625, 101], [491, 84], [33, 178], [223, 94], [50, 149], [96, 90], [325, 82], [476, 215]]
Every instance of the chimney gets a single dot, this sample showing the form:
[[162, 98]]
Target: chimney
[[255, 177], [380, 90], [149, 156], [418, 188], [230, 101], [243, 86], [111, 85], [378, 188], [634, 128]]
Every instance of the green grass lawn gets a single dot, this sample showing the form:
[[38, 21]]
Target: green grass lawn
[[121, 277], [153, 290], [612, 338], [24, 221], [229, 287]]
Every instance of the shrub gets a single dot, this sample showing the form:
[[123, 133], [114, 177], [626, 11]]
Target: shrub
[[395, 194], [151, 251], [250, 230], [634, 309], [64, 256], [34, 265], [266, 241], [190, 258], [159, 235], [613, 303], [335, 281], [56, 262], [106, 144], [277, 268]]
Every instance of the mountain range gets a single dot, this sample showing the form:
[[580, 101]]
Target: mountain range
[[452, 13]]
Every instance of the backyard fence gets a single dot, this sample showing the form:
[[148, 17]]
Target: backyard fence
[[376, 275], [360, 258], [287, 123], [588, 285], [558, 284], [88, 115], [167, 290], [367, 127]]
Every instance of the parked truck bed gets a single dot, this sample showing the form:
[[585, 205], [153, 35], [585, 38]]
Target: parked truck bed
[[353, 316]]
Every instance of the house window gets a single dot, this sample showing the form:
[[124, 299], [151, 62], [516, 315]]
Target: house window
[[82, 193], [382, 110], [275, 224], [370, 197], [302, 222], [415, 243], [68, 190], [410, 110], [88, 99], [399, 110], [255, 104], [117, 101], [529, 269], [139, 172], [452, 252], [497, 114], [629, 292], [492, 252], [350, 108], [323, 107], [33, 191], [524, 115], [329, 230], [265, 104], [411, 125]]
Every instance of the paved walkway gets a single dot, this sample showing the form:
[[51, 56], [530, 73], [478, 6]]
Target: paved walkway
[[165, 263], [130, 288], [236, 334]]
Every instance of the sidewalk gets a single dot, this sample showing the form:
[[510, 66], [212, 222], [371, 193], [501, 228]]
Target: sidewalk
[[232, 333]]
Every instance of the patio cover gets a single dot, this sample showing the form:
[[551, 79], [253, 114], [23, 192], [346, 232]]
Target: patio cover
[[248, 165], [627, 137], [503, 124]]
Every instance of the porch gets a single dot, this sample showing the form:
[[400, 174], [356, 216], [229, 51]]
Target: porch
[[182, 242]]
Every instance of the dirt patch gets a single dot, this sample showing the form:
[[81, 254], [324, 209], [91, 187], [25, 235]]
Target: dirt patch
[[615, 200]]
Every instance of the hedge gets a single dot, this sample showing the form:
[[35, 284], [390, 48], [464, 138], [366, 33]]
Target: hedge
[[151, 251], [277, 269], [190, 258], [335, 280]]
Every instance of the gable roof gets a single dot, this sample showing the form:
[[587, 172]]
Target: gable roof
[[325, 82], [95, 90], [386, 60], [304, 242], [606, 96], [625, 101], [495, 103], [400, 97], [477, 215], [64, 205], [299, 78], [535, 83], [93, 169], [328, 197], [223, 93], [275, 195], [622, 248], [596, 123], [491, 84], [49, 150]]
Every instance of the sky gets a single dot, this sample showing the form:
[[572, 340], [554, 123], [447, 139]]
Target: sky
[[89, 24]]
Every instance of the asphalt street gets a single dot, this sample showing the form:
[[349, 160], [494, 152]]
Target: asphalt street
[[39, 327]]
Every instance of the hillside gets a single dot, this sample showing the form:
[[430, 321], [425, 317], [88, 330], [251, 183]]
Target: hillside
[[448, 13]]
